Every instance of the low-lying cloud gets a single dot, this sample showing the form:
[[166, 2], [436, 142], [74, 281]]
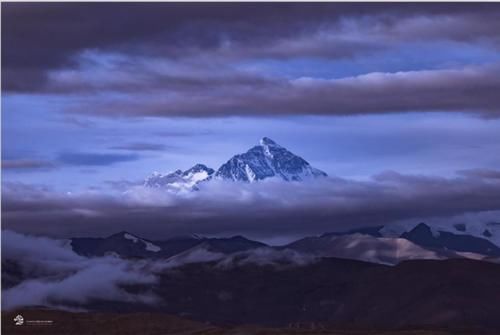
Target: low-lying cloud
[[51, 274], [267, 257], [40, 271], [265, 209]]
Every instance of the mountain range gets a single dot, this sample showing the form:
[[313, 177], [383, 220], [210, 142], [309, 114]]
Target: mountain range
[[358, 279], [365, 244], [265, 160], [127, 245]]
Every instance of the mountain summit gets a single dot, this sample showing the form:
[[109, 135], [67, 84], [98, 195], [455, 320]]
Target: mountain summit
[[180, 180], [267, 141], [266, 160]]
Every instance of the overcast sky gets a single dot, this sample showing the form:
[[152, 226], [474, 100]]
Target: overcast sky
[[97, 96]]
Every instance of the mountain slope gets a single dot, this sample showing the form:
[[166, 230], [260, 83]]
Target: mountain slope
[[451, 294], [266, 160], [180, 180], [458, 296], [424, 236], [231, 244], [127, 245], [382, 250], [372, 231], [123, 244]]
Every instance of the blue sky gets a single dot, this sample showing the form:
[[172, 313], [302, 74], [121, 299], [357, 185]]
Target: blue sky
[[346, 146]]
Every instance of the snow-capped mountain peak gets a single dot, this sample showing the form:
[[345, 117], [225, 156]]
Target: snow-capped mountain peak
[[267, 160], [197, 173], [180, 180], [197, 169], [267, 142]]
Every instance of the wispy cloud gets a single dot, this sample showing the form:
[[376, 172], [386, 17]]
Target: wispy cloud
[[94, 159], [26, 164], [55, 276], [139, 146], [49, 273], [469, 89], [481, 173]]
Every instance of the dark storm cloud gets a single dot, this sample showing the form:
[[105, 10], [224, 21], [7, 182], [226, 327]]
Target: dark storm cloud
[[26, 164], [37, 38], [266, 209], [94, 159], [471, 89], [141, 147], [29, 30]]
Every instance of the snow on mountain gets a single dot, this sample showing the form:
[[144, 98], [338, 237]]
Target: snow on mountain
[[424, 236], [180, 180], [197, 254], [147, 245], [382, 250], [485, 230], [128, 245], [362, 247], [230, 245], [124, 244], [266, 160]]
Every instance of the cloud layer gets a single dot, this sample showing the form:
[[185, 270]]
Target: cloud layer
[[206, 60], [267, 209], [94, 159], [53, 275], [471, 89], [185, 28], [26, 164]]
